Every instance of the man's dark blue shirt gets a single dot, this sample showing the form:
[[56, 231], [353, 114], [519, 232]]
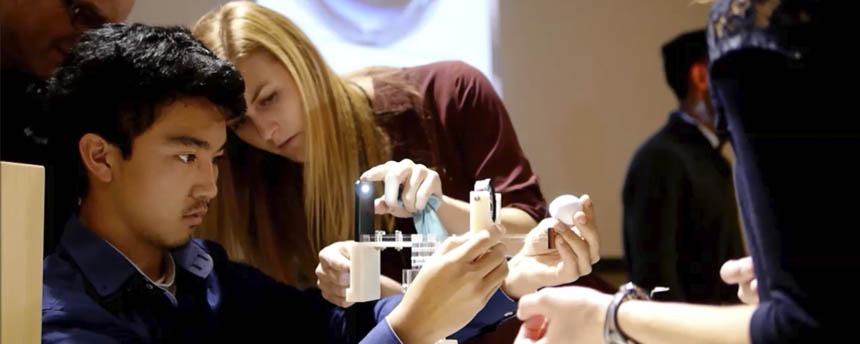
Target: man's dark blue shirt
[[93, 294]]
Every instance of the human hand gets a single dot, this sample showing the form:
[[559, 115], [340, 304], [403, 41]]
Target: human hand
[[419, 182], [455, 283], [537, 266], [333, 272], [562, 315], [741, 272]]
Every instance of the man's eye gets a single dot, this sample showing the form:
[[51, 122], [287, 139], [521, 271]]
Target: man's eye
[[187, 158]]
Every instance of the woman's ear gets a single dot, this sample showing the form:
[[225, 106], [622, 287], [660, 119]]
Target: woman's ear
[[94, 151]]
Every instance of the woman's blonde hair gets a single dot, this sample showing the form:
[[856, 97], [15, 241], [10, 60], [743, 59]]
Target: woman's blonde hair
[[258, 216]]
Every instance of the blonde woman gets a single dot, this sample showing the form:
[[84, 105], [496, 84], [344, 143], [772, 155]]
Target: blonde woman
[[309, 134]]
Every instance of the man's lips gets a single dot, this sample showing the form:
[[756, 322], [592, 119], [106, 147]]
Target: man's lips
[[196, 215]]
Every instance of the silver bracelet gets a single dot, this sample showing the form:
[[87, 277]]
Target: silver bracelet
[[611, 333]]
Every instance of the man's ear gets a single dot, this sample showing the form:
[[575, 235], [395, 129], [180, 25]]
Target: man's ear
[[97, 155], [699, 79]]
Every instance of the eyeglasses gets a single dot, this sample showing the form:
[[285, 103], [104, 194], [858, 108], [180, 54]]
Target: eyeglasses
[[83, 16]]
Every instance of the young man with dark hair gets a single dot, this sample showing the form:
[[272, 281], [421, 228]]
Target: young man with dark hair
[[680, 218], [144, 111]]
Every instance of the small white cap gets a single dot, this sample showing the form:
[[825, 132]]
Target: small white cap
[[564, 207]]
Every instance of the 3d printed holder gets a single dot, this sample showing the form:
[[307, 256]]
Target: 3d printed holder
[[364, 265], [484, 209]]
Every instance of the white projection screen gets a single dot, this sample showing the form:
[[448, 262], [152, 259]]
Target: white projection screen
[[352, 34]]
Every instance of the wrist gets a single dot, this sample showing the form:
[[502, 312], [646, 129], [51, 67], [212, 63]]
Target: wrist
[[612, 333], [516, 286], [408, 331], [623, 316]]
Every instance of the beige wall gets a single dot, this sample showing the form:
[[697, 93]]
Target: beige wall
[[584, 85], [582, 80], [171, 12]]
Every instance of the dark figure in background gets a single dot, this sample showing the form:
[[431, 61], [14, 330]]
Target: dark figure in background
[[680, 214], [37, 36]]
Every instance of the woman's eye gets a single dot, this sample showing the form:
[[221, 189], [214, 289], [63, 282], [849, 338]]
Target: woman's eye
[[187, 158], [269, 99]]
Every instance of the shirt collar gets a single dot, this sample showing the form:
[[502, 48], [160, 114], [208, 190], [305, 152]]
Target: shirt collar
[[708, 133], [169, 276], [107, 268]]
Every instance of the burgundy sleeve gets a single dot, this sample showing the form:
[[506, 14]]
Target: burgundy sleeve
[[476, 119]]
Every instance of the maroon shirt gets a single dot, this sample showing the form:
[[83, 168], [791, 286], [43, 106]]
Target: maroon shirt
[[458, 126]]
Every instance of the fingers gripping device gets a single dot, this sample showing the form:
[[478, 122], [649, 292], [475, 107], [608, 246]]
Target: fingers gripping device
[[364, 268]]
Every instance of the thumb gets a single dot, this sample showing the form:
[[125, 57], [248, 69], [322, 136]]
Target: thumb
[[533, 305], [533, 328]]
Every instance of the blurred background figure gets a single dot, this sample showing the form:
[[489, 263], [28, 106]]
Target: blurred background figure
[[680, 214], [36, 36]]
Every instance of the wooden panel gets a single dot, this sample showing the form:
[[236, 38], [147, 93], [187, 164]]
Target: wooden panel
[[21, 232]]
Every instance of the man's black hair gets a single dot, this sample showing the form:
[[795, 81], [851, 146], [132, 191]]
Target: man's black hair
[[679, 55], [116, 76]]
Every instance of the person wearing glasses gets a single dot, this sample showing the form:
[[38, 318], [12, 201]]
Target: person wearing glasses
[[37, 35]]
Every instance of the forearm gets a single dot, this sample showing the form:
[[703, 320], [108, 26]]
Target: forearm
[[399, 319], [454, 215], [382, 332], [517, 221], [659, 322], [390, 287]]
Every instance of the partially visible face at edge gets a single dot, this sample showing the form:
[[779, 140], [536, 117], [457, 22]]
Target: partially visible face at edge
[[38, 34]]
